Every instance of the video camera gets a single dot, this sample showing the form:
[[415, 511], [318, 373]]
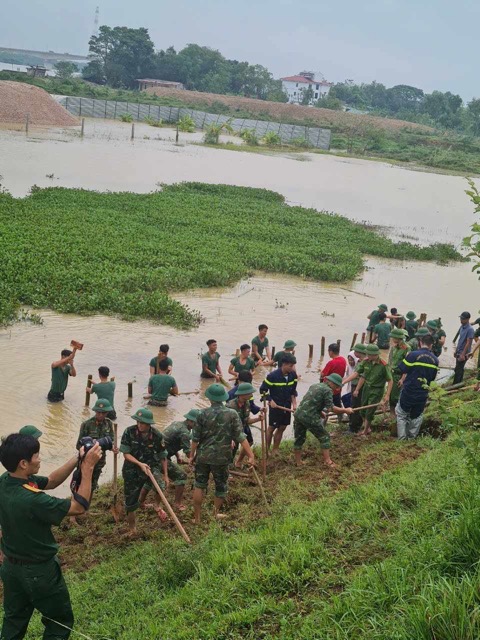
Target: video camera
[[106, 444]]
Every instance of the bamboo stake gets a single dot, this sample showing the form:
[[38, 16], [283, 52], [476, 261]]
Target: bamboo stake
[[310, 351], [115, 472], [364, 335], [171, 512], [89, 385], [82, 130], [338, 342], [263, 436], [322, 347], [265, 413], [260, 486], [273, 352], [130, 390], [354, 341]]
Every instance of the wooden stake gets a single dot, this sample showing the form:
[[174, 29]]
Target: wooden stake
[[364, 335], [130, 390], [260, 486], [89, 385], [171, 512], [310, 351], [82, 130], [263, 436], [322, 347], [273, 352], [237, 353], [114, 510], [338, 342], [132, 137], [265, 422], [176, 136], [27, 123], [354, 341]]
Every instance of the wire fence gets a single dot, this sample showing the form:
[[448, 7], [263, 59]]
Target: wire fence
[[288, 133]]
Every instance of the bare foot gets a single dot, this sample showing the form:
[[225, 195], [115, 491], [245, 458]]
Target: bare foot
[[131, 533], [331, 465], [300, 463], [162, 515], [179, 507], [220, 516]]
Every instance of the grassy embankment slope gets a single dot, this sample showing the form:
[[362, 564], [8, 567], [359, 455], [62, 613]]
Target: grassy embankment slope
[[123, 253], [364, 136], [387, 547]]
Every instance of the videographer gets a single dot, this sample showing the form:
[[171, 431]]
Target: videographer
[[31, 573]]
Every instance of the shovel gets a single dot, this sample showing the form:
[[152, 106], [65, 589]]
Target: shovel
[[115, 507]]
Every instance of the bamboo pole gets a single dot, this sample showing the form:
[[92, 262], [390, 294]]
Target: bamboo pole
[[364, 335], [130, 390], [82, 130], [310, 351], [263, 436], [339, 342], [89, 385], [265, 413], [115, 473], [273, 352], [132, 137], [260, 486], [171, 512], [354, 341], [27, 123], [322, 347], [368, 406]]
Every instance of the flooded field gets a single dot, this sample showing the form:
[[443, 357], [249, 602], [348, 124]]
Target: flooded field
[[416, 205]]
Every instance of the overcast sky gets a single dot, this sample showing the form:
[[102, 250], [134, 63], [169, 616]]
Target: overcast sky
[[431, 44]]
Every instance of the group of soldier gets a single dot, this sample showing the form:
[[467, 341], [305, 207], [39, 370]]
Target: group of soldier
[[207, 440]]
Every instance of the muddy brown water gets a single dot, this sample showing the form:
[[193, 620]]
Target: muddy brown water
[[292, 308], [414, 205]]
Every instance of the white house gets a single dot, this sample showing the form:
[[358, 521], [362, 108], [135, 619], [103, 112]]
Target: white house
[[295, 87]]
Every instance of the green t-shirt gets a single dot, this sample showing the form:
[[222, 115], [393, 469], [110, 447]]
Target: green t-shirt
[[382, 329], [261, 344], [279, 355], [60, 378], [210, 361], [161, 384], [437, 347], [154, 362], [238, 366], [105, 390], [373, 320], [26, 517]]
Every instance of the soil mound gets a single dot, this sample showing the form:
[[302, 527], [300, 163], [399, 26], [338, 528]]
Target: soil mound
[[280, 111], [18, 99]]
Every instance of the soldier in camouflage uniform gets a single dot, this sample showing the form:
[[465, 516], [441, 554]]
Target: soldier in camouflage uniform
[[311, 416], [143, 449], [212, 438], [98, 427], [177, 438], [241, 404]]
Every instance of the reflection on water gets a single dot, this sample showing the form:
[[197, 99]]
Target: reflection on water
[[292, 308]]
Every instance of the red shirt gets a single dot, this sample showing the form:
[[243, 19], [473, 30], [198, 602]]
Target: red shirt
[[336, 365]]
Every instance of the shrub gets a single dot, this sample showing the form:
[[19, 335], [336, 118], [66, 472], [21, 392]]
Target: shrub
[[186, 124], [152, 122], [301, 142], [249, 137], [126, 117], [271, 138]]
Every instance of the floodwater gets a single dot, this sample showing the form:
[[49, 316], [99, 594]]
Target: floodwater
[[414, 204], [418, 204]]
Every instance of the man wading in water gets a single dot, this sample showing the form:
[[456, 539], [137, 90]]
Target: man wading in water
[[61, 370]]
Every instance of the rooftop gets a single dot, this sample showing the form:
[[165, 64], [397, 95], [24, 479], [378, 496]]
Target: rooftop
[[306, 80]]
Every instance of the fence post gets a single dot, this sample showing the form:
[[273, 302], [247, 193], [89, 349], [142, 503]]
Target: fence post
[[105, 110], [27, 123], [80, 113], [138, 114], [115, 111], [82, 131], [133, 131]]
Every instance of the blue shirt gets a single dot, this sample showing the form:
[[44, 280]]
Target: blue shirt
[[465, 333], [421, 367]]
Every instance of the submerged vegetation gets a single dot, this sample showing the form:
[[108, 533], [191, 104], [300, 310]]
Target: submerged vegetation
[[78, 251]]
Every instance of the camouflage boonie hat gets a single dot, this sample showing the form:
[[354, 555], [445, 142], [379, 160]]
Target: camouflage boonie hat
[[411, 315], [192, 415], [372, 350], [216, 393], [144, 415], [102, 406], [360, 348], [336, 379], [289, 344], [30, 430], [245, 388], [397, 334]]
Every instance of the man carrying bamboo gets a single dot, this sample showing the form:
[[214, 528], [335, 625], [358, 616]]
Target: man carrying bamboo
[[374, 373], [311, 415]]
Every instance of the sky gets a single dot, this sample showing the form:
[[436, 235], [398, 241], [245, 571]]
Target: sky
[[430, 44]]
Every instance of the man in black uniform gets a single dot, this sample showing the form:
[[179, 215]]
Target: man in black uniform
[[31, 574]]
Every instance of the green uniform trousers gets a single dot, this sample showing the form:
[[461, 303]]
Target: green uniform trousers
[[176, 474], [134, 481], [35, 586], [220, 477], [370, 396], [300, 432]]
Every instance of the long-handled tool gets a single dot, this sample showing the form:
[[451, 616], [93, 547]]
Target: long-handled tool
[[114, 510], [89, 386], [264, 446], [260, 486], [171, 512], [368, 406], [264, 430]]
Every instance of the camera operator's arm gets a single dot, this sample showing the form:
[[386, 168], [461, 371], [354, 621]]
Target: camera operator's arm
[[58, 476], [85, 489]]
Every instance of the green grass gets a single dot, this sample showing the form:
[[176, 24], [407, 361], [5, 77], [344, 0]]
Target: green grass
[[123, 253]]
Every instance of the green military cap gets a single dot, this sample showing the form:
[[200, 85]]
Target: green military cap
[[432, 324], [372, 350], [383, 307], [102, 406], [336, 379], [423, 331], [30, 430], [192, 415], [397, 334], [143, 415], [245, 388], [288, 358], [360, 348], [411, 315], [216, 392], [289, 344]]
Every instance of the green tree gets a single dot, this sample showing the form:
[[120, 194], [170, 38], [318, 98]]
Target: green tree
[[444, 108], [307, 95], [65, 70], [403, 97], [121, 55], [473, 111], [329, 102]]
